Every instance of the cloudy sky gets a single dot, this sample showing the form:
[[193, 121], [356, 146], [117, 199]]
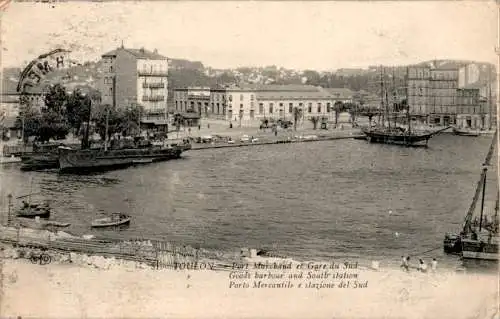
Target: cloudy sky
[[317, 35]]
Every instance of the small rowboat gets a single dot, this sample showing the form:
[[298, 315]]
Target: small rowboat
[[34, 210], [116, 219]]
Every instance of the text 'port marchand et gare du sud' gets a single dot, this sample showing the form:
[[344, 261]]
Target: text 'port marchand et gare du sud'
[[300, 275]]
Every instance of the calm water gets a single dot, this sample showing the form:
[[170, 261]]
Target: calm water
[[310, 200]]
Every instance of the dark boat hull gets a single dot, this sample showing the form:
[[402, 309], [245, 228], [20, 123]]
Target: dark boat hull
[[42, 214], [43, 161], [379, 136], [452, 244], [95, 160]]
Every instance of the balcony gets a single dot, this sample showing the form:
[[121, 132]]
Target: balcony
[[152, 73], [153, 85], [153, 98]]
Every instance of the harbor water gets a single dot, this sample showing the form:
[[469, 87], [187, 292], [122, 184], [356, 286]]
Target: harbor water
[[344, 199]]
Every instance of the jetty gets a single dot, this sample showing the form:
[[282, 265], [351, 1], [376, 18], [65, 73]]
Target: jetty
[[278, 140]]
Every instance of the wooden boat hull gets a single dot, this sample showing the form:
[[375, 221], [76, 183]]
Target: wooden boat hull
[[41, 214], [465, 132], [111, 223], [480, 249], [452, 244], [380, 136], [71, 160], [39, 161]]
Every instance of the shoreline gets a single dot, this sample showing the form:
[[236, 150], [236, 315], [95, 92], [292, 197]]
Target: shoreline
[[128, 289]]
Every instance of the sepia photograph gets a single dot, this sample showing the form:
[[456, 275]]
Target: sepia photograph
[[249, 159]]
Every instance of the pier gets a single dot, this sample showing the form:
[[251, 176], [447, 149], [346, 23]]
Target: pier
[[280, 140]]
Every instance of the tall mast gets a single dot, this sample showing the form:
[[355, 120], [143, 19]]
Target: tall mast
[[394, 98], [407, 100], [382, 109], [485, 170]]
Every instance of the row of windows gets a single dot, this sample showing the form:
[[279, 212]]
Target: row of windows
[[108, 80]]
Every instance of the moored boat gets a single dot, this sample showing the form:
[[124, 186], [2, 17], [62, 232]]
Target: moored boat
[[116, 219], [465, 132], [29, 210], [74, 160], [399, 133], [478, 238]]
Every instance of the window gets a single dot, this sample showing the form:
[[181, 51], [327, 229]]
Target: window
[[251, 104], [261, 108], [270, 108], [290, 108], [241, 106], [251, 97], [230, 98], [241, 97], [328, 107], [319, 107], [309, 107]]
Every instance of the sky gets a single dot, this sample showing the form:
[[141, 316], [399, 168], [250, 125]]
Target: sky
[[300, 35]]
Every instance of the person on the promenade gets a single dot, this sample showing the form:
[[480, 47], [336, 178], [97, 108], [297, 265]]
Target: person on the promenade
[[405, 264], [434, 265], [422, 267]]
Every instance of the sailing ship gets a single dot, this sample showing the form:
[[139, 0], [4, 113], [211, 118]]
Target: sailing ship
[[397, 133], [478, 238]]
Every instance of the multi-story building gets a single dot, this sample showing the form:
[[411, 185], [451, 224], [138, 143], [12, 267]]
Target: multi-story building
[[279, 101], [253, 102], [219, 104], [432, 91], [452, 93], [192, 99], [470, 111], [419, 90], [443, 92], [135, 76]]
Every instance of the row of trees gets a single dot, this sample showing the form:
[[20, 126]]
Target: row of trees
[[66, 113]]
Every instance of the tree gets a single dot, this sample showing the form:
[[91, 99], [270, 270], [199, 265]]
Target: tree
[[338, 106], [56, 98], [53, 123], [297, 115], [352, 109], [315, 121], [77, 112], [28, 120]]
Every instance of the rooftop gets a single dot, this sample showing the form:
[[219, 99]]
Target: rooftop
[[137, 53]]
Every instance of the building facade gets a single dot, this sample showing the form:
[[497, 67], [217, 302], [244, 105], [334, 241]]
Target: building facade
[[249, 103], [192, 99], [135, 76], [470, 112]]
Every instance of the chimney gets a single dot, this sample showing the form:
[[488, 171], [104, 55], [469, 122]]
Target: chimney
[[142, 50], [155, 51]]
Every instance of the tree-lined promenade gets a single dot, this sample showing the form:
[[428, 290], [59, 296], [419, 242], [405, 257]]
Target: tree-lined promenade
[[66, 113]]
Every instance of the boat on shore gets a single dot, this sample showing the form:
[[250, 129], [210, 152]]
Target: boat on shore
[[116, 219], [478, 239]]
